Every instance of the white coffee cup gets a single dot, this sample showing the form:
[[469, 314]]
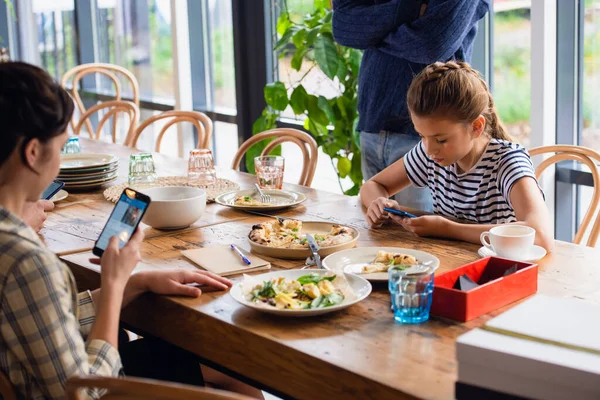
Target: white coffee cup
[[509, 241]]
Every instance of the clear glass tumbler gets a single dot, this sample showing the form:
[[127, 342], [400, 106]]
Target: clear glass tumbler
[[201, 167], [72, 146], [269, 171], [411, 295], [142, 169]]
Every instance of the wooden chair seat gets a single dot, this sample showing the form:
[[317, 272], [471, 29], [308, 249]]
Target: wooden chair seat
[[147, 389], [588, 157], [306, 143], [200, 120]]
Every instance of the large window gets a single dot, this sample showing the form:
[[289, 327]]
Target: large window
[[55, 22], [221, 54], [590, 131], [136, 34], [512, 65]]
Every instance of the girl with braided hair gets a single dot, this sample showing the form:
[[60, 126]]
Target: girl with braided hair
[[476, 175]]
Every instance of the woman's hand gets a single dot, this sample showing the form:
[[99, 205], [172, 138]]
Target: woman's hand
[[376, 216], [425, 226], [117, 264], [34, 213], [176, 282]]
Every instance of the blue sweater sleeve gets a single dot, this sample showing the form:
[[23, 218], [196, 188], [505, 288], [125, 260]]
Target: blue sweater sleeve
[[363, 23], [438, 34]]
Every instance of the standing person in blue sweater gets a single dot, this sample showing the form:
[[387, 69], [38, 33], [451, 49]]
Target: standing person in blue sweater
[[400, 38]]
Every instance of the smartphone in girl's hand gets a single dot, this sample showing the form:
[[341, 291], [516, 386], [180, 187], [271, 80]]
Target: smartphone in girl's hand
[[399, 212]]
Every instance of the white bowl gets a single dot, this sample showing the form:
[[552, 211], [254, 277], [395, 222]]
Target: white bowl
[[174, 207]]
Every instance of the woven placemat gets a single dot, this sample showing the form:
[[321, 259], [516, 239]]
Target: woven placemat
[[212, 191]]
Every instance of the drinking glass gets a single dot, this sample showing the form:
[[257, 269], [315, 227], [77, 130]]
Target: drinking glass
[[411, 295], [72, 146], [141, 169], [201, 167], [269, 171]]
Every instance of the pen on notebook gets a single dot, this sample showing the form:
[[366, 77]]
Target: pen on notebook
[[244, 258]]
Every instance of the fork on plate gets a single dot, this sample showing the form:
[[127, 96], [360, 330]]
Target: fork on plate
[[265, 198]]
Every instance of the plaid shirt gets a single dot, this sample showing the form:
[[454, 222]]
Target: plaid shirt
[[43, 321]]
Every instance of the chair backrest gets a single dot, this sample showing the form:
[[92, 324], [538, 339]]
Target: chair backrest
[[588, 157], [111, 71], [113, 109], [7, 390], [138, 389], [200, 120], [305, 142]]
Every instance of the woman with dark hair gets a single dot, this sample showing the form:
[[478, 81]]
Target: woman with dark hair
[[48, 332]]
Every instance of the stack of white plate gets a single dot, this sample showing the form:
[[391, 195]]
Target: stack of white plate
[[86, 171]]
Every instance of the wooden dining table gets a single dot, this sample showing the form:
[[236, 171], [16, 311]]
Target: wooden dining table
[[356, 353]]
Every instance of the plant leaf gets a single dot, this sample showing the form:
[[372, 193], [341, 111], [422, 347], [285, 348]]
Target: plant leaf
[[298, 100], [354, 59], [286, 38], [353, 191], [321, 4], [311, 36], [314, 111], [326, 55], [298, 38], [283, 23], [296, 62], [276, 95], [356, 171], [324, 105]]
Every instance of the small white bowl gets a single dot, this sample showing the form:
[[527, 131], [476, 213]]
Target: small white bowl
[[174, 207]]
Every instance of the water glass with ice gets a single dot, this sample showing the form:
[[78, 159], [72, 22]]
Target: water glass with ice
[[72, 146]]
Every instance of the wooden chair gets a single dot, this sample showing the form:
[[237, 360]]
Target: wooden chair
[[113, 109], [142, 389], [7, 390], [305, 142], [112, 71], [588, 157], [200, 120]]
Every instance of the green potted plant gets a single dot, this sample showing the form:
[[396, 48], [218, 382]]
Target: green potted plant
[[332, 121], [4, 53]]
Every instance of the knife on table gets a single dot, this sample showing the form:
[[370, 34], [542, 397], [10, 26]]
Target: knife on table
[[314, 248]]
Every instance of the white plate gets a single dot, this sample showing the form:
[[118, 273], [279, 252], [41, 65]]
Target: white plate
[[361, 287], [87, 181], [279, 199], [353, 260], [88, 171], [61, 195], [536, 253], [90, 185], [79, 161], [314, 227], [99, 175]]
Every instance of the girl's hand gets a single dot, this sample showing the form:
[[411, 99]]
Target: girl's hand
[[376, 216], [117, 264], [425, 226], [175, 282], [34, 213]]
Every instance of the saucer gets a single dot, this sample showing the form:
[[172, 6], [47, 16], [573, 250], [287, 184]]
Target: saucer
[[61, 195], [536, 253]]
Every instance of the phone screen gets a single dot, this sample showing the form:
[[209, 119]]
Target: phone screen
[[52, 189], [126, 216]]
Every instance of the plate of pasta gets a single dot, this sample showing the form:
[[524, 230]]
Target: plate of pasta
[[300, 293], [373, 263], [250, 199], [287, 239]]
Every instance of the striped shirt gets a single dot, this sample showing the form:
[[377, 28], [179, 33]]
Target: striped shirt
[[43, 321], [480, 195]]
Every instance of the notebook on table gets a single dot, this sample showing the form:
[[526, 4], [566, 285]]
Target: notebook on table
[[223, 261]]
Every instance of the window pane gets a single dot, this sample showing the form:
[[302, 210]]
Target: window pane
[[221, 45], [56, 35], [136, 34], [590, 134], [225, 137], [313, 79], [512, 61]]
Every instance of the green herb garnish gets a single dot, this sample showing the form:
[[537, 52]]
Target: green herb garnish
[[266, 291], [246, 198], [315, 278], [331, 299]]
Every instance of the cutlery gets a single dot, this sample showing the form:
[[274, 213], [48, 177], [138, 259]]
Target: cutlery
[[280, 219], [242, 256], [265, 198], [314, 248]]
